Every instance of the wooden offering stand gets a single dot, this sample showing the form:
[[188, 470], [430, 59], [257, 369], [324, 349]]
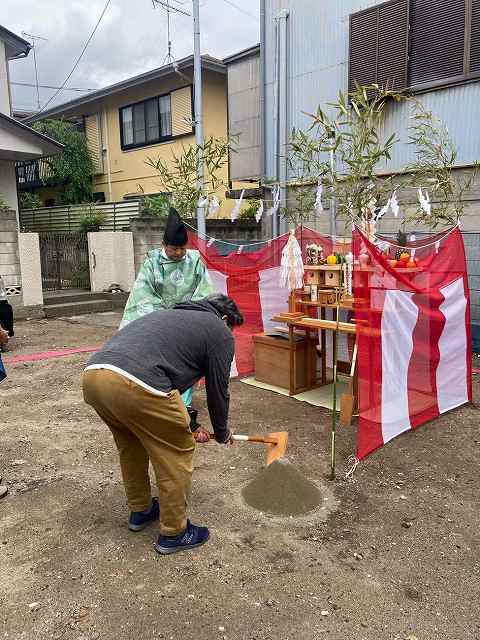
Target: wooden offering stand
[[292, 363]]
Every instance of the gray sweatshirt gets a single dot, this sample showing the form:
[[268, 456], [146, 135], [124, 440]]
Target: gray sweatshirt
[[174, 349]]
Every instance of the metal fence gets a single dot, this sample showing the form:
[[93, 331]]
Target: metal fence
[[66, 219], [472, 250], [64, 261]]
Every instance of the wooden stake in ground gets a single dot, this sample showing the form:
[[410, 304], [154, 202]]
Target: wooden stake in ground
[[347, 401]]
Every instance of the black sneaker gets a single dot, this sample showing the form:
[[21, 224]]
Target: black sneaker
[[191, 538], [140, 519]]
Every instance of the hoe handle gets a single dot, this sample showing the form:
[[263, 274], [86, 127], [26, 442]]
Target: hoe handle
[[262, 439], [240, 438]]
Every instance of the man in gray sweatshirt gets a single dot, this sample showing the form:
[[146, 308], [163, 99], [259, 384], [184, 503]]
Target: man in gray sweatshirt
[[134, 384]]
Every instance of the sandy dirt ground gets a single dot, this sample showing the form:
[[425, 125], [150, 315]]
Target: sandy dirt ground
[[392, 556]]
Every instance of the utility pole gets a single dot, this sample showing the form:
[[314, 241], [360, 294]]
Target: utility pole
[[33, 39], [197, 74]]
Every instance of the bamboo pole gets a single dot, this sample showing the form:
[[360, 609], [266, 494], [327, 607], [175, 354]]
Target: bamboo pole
[[334, 393]]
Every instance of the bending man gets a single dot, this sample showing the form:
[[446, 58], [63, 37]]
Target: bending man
[[134, 384]]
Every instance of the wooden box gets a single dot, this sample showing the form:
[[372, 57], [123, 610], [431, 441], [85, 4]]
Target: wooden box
[[314, 275], [332, 276], [272, 362]]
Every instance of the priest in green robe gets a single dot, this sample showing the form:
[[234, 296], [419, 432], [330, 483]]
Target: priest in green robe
[[169, 275]]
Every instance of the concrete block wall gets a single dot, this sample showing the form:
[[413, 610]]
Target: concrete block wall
[[20, 267], [9, 257]]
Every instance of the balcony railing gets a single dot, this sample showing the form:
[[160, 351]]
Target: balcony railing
[[34, 173]]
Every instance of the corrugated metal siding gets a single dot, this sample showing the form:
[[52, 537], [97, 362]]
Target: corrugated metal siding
[[317, 71], [472, 251], [244, 117], [458, 107]]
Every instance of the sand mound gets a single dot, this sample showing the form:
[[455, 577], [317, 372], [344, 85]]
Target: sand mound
[[280, 489]]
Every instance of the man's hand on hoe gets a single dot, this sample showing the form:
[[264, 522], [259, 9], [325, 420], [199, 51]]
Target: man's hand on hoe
[[201, 436]]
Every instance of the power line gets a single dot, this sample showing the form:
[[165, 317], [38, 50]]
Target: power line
[[164, 4], [49, 86], [34, 39], [247, 13], [107, 4]]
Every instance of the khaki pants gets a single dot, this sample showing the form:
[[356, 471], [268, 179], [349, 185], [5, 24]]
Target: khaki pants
[[147, 427]]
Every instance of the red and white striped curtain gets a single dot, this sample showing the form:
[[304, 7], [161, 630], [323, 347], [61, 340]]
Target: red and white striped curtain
[[414, 342]]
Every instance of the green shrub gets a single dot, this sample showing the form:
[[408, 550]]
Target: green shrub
[[92, 219], [74, 168], [156, 206], [30, 201], [250, 211]]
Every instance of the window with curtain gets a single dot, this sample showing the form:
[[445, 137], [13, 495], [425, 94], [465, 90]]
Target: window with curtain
[[152, 120], [147, 122], [165, 115], [139, 124], [127, 126]]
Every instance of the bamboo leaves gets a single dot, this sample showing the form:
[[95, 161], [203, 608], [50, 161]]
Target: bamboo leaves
[[355, 133], [178, 174], [432, 169]]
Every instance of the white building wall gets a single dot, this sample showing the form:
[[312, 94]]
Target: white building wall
[[17, 141], [4, 88], [29, 252], [111, 260]]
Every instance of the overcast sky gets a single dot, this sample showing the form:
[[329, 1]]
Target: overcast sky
[[131, 39]]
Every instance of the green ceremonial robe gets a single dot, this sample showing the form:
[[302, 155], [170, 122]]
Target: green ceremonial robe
[[163, 283]]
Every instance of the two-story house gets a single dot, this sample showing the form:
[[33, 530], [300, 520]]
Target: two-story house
[[148, 116], [17, 142]]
